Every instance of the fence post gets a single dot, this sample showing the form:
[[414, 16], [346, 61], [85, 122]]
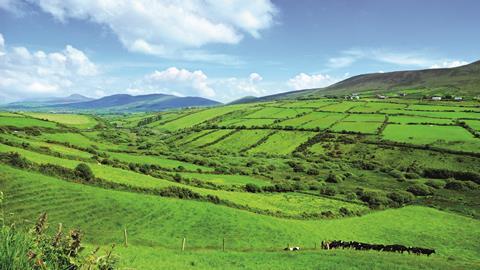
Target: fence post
[[125, 236], [183, 243]]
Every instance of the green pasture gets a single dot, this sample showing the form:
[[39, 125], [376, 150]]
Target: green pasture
[[276, 112], [161, 222], [361, 127], [240, 140], [452, 137], [282, 142], [226, 179], [209, 138], [23, 122], [161, 161], [403, 119], [74, 120]]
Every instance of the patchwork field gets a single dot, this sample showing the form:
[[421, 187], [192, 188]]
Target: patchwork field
[[252, 179]]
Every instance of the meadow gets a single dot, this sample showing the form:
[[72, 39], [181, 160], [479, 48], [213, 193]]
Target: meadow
[[254, 178]]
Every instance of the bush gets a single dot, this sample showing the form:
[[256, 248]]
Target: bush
[[420, 190], [84, 172], [180, 193], [329, 191], [400, 197], [252, 188], [460, 185], [373, 199], [436, 184], [39, 250], [333, 178]]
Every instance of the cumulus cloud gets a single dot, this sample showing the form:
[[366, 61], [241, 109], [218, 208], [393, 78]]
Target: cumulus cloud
[[306, 81], [164, 27], [26, 74], [175, 81], [183, 82], [449, 64]]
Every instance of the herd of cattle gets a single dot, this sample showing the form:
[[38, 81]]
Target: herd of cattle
[[365, 246]]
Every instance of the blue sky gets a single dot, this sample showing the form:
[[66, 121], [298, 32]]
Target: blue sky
[[223, 50]]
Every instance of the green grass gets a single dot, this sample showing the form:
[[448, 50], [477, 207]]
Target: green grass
[[439, 114], [292, 204], [78, 140], [343, 106], [421, 107], [365, 118], [240, 140], [198, 117], [452, 137], [237, 122], [73, 120], [22, 122], [211, 137], [226, 179], [401, 119], [276, 113], [371, 107], [282, 142], [161, 161], [154, 258], [365, 127], [475, 124], [153, 221]]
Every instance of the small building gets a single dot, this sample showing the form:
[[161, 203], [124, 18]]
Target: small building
[[402, 94], [436, 98], [381, 97], [458, 98]]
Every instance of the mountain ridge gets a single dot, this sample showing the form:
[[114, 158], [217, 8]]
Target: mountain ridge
[[461, 81], [120, 103]]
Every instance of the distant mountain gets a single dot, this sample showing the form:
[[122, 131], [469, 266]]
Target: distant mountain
[[41, 102], [243, 100], [117, 103], [458, 81]]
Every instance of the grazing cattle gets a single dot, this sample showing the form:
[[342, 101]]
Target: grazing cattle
[[396, 248], [292, 249], [378, 247]]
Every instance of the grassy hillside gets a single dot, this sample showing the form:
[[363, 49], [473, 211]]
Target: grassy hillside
[[258, 176], [459, 81]]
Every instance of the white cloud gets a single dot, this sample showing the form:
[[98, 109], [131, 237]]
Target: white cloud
[[449, 64], [26, 74], [164, 27], [183, 81], [409, 59], [305, 81], [2, 45], [255, 77], [13, 6], [340, 62]]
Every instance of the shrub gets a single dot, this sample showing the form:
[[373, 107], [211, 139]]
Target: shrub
[[420, 190], [400, 197], [39, 250], [345, 212], [328, 190], [84, 172], [460, 185], [252, 188], [179, 192], [373, 199], [436, 184], [333, 178]]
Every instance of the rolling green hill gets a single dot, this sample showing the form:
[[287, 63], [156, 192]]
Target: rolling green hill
[[461, 81], [254, 177]]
